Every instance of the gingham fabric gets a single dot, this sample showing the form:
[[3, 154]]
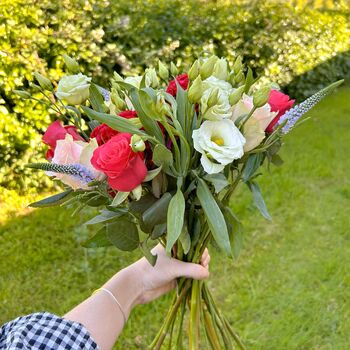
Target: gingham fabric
[[44, 331]]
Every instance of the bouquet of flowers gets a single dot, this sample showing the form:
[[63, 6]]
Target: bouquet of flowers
[[162, 154]]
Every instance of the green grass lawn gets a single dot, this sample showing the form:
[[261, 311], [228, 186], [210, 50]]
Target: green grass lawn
[[290, 287]]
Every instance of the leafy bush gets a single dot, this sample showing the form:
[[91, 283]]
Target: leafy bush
[[302, 48]]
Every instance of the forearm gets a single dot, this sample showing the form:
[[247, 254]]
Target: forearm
[[100, 313]]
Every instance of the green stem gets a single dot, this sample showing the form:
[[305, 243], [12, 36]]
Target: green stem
[[194, 317], [182, 316]]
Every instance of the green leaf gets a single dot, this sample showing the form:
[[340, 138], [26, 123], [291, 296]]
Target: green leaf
[[158, 231], [149, 124], [258, 199], [219, 181], [99, 240], [175, 219], [185, 239], [152, 259], [119, 198], [253, 163], [114, 121], [157, 213], [106, 215], [235, 231], [123, 234], [162, 156], [276, 160], [140, 206], [151, 174], [96, 99], [214, 216], [54, 200]]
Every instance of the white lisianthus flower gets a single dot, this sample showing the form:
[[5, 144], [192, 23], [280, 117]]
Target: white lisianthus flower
[[254, 129], [213, 82], [135, 81], [221, 110], [219, 142], [68, 151], [74, 89]]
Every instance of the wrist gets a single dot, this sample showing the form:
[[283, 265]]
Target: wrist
[[127, 288]]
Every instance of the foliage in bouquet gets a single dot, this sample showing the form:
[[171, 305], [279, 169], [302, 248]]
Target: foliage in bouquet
[[162, 153]]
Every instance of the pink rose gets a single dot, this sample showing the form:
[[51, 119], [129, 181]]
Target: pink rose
[[280, 103]]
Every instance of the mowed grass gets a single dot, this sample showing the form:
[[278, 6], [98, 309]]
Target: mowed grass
[[290, 287]]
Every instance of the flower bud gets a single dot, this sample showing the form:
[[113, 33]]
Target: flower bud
[[207, 67], [151, 74], [221, 69], [238, 65], [74, 89], [71, 64], [213, 98], [163, 70], [43, 81], [236, 95], [194, 70], [173, 69], [261, 96], [195, 91], [137, 144], [239, 78], [117, 100], [162, 107], [22, 94]]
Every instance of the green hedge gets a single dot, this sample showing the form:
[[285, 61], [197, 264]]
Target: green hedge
[[301, 47]]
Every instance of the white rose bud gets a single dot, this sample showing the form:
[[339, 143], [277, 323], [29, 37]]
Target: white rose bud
[[221, 69], [194, 70], [213, 97], [71, 64], [207, 67], [219, 142], [74, 88], [195, 91], [163, 70], [137, 144]]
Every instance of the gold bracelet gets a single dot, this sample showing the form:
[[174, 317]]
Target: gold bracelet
[[114, 298]]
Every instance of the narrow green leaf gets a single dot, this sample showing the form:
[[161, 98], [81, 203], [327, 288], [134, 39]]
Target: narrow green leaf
[[158, 231], [276, 160], [175, 219], [185, 239], [214, 216], [258, 199], [218, 180], [249, 80], [157, 213], [151, 174], [152, 259], [119, 198], [253, 163], [54, 200], [106, 215], [162, 156], [99, 240], [123, 234], [114, 121], [149, 124], [96, 99], [235, 231]]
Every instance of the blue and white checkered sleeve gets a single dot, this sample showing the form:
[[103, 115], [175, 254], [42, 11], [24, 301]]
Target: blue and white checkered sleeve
[[44, 331]]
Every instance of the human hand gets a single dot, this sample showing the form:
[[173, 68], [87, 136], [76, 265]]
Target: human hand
[[157, 280]]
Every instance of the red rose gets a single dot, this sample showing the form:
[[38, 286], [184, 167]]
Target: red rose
[[56, 131], [104, 133], [280, 103], [124, 168], [182, 79]]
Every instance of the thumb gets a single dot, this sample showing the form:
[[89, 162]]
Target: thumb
[[190, 270]]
